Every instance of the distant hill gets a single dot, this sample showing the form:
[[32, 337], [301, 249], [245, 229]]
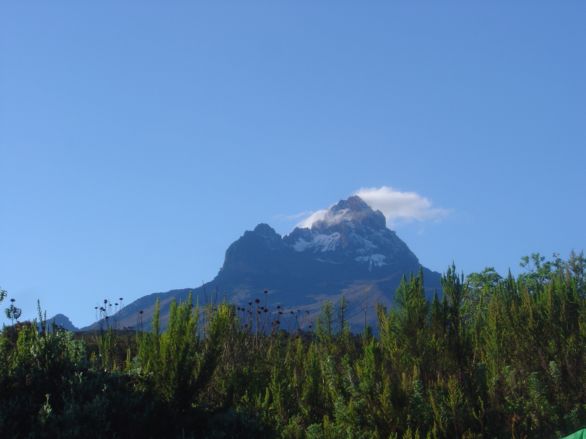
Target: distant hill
[[348, 251], [62, 321]]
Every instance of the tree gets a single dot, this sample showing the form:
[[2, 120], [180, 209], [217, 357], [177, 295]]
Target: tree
[[12, 312]]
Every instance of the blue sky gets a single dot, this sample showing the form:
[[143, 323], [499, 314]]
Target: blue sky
[[139, 139]]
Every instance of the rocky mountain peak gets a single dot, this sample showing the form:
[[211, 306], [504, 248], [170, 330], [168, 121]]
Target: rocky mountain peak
[[350, 236], [266, 231], [346, 249], [349, 214], [353, 203], [351, 232]]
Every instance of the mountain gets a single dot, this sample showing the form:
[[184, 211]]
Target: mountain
[[62, 321], [348, 250]]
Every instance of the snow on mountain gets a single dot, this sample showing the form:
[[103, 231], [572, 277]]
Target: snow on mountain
[[319, 243], [351, 232], [375, 260]]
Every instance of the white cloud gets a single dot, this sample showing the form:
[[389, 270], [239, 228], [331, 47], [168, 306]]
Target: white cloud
[[313, 217], [398, 208], [323, 215], [401, 207], [293, 216]]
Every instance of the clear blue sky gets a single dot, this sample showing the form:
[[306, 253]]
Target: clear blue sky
[[139, 139]]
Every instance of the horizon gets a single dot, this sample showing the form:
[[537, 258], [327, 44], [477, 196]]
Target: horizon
[[138, 141]]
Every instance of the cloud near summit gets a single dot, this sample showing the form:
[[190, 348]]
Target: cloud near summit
[[398, 207]]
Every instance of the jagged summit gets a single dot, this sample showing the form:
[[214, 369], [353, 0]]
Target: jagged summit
[[351, 212], [352, 232], [353, 202], [349, 233], [355, 208], [265, 230]]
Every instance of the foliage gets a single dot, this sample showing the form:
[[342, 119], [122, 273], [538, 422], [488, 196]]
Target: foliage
[[493, 357]]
